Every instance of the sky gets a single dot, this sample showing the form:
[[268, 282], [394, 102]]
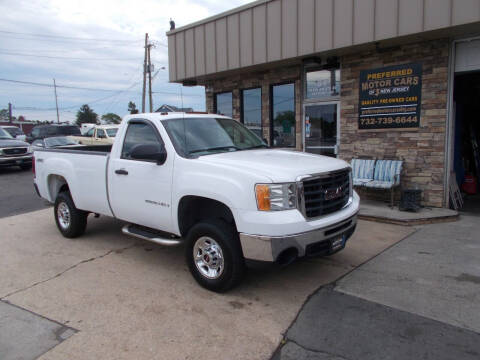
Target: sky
[[92, 44]]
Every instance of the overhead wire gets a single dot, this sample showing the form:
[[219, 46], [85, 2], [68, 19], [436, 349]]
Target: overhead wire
[[65, 57], [76, 38]]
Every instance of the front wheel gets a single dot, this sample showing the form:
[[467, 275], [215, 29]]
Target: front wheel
[[214, 255], [70, 221]]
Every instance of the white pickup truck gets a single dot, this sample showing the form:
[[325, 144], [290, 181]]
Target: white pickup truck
[[208, 182]]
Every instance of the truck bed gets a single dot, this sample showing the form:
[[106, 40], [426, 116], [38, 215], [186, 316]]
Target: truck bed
[[83, 167]]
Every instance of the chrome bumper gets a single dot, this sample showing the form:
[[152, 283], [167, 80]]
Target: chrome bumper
[[268, 248], [11, 160]]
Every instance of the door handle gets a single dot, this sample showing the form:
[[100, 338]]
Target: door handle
[[121, 172]]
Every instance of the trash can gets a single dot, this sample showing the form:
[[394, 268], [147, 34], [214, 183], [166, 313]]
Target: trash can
[[410, 200]]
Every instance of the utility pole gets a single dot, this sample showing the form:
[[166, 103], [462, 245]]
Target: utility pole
[[56, 101], [150, 79], [10, 112], [144, 72]]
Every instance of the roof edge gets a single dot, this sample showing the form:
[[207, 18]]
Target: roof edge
[[218, 16]]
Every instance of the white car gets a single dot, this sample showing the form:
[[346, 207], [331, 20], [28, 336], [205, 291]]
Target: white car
[[208, 182], [15, 131], [98, 135]]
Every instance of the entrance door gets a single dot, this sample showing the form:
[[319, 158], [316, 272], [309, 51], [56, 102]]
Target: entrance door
[[321, 128]]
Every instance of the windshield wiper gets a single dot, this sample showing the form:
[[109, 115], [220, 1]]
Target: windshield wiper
[[257, 147], [214, 148]]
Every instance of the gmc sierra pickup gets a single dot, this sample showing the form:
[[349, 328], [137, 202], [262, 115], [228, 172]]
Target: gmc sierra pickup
[[208, 182]]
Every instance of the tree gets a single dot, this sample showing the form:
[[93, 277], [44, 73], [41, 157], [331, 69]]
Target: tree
[[132, 108], [86, 115], [4, 115], [111, 118]]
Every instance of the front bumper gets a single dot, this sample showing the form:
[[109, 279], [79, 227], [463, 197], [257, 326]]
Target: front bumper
[[15, 160], [320, 241]]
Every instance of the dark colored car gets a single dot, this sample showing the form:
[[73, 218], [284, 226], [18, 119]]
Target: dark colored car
[[53, 142], [46, 131], [14, 152]]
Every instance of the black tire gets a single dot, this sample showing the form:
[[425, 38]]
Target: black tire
[[77, 218], [26, 166], [226, 237]]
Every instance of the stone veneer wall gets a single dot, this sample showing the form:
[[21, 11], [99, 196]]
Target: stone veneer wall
[[263, 79], [423, 150]]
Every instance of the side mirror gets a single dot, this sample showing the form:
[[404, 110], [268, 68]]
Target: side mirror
[[149, 152]]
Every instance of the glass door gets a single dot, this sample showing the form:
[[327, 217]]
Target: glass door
[[321, 128]]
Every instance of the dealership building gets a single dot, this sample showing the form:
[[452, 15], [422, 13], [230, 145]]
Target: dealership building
[[369, 79]]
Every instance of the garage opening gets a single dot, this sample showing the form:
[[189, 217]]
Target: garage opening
[[467, 138]]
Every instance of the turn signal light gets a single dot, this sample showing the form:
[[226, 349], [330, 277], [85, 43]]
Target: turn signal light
[[262, 193]]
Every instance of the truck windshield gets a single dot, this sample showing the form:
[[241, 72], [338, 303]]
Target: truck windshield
[[204, 136], [4, 134]]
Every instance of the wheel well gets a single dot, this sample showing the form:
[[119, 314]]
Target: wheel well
[[56, 184], [194, 209]]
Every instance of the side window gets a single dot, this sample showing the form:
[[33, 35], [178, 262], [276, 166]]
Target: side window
[[100, 133], [52, 130], [139, 133], [35, 132], [90, 132]]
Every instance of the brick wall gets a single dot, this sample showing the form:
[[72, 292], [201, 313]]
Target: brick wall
[[423, 149]]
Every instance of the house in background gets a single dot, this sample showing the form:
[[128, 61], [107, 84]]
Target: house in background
[[171, 108]]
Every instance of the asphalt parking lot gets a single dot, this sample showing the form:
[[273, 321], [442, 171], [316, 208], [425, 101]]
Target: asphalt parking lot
[[395, 292], [17, 195], [129, 299]]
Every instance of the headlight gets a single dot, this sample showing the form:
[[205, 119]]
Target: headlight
[[30, 150], [274, 197]]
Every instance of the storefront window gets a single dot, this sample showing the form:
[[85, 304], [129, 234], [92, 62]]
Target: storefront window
[[322, 84], [252, 110], [283, 115], [223, 104]]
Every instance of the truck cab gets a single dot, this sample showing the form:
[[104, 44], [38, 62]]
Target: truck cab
[[98, 135]]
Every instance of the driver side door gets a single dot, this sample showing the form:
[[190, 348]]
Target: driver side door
[[140, 190]]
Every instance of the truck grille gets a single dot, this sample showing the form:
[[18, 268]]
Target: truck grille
[[15, 151], [326, 194]]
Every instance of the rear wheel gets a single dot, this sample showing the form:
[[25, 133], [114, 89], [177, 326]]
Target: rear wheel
[[70, 221], [214, 255]]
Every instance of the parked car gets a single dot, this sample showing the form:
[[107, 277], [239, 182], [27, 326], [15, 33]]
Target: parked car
[[98, 135], [210, 183], [14, 152], [44, 131], [15, 131], [53, 142], [85, 127]]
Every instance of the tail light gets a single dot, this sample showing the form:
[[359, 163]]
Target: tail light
[[33, 166]]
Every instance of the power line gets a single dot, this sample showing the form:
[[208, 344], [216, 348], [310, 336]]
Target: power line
[[68, 37], [65, 57], [90, 89], [58, 86]]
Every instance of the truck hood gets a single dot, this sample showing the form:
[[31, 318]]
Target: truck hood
[[278, 165], [12, 143]]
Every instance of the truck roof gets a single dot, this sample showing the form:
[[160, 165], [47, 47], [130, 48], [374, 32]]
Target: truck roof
[[173, 115]]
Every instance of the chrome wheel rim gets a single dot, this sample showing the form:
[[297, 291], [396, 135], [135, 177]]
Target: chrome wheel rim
[[63, 215], [208, 257]]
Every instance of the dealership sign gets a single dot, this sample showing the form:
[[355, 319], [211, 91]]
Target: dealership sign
[[390, 97]]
